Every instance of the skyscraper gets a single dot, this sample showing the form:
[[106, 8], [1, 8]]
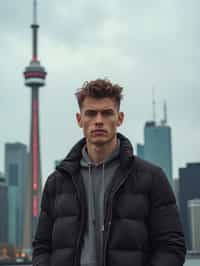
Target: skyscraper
[[157, 146], [189, 188], [176, 190], [16, 178], [35, 76], [194, 225], [3, 210]]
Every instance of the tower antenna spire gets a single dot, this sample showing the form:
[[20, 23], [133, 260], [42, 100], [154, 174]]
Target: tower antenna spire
[[35, 12], [35, 27], [164, 121], [165, 111], [153, 104]]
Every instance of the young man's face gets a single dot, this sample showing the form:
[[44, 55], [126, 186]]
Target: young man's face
[[99, 119]]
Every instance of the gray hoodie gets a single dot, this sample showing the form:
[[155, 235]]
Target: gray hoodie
[[96, 178]]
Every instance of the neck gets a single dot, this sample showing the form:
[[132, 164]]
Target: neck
[[99, 153]]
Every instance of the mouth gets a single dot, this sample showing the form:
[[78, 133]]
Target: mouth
[[99, 132]]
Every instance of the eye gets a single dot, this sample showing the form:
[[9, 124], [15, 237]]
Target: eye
[[107, 112], [90, 113]]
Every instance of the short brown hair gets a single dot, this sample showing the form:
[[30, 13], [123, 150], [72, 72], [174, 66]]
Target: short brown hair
[[99, 88]]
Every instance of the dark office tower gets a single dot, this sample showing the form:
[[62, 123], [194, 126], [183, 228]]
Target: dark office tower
[[34, 78], [16, 178], [3, 210], [189, 189], [176, 189]]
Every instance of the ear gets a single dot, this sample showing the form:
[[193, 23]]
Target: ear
[[120, 118], [78, 119]]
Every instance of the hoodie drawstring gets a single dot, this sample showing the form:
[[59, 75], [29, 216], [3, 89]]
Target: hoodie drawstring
[[91, 193]]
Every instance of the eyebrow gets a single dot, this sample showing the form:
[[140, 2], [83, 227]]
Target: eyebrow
[[95, 111]]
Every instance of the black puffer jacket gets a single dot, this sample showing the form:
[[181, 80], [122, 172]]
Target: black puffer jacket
[[142, 226]]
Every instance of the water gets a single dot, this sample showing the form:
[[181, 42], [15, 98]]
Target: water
[[192, 262]]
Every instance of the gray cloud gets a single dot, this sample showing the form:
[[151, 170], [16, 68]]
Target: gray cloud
[[138, 44]]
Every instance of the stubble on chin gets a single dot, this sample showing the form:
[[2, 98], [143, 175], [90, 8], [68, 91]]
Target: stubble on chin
[[102, 141]]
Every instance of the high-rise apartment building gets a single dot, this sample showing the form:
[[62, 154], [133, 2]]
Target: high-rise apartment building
[[194, 223], [16, 178], [189, 189]]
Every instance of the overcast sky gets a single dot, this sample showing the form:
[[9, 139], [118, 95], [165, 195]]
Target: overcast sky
[[138, 44]]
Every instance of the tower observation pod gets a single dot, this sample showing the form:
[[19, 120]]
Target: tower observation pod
[[34, 75]]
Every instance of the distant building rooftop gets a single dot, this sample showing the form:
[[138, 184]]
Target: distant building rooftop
[[150, 124]]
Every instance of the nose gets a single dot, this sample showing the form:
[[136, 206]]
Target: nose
[[99, 119]]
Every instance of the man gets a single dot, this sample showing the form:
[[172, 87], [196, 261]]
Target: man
[[103, 206]]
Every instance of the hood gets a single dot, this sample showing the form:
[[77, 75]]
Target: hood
[[71, 163], [86, 161]]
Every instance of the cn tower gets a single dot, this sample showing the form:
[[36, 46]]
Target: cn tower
[[34, 75]]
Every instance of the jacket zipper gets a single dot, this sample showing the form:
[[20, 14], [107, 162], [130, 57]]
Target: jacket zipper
[[110, 219]]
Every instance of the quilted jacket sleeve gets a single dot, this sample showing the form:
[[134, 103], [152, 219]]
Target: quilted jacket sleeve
[[167, 239], [42, 240]]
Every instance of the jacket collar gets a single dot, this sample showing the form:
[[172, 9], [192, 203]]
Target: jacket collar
[[71, 163]]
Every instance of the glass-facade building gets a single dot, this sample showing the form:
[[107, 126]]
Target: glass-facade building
[[157, 147], [16, 178], [189, 189]]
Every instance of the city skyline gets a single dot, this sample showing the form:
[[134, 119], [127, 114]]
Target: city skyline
[[135, 45]]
